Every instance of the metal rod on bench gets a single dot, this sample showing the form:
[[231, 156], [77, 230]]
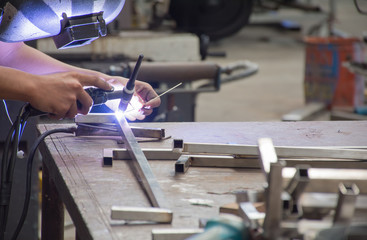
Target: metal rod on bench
[[346, 205], [273, 171], [140, 164]]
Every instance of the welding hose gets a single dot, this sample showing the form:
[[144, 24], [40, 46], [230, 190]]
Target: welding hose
[[7, 166], [71, 130]]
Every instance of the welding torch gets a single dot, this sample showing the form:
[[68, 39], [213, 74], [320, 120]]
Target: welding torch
[[98, 95], [129, 89]]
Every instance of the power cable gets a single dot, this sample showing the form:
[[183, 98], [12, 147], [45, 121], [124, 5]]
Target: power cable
[[29, 174], [8, 164]]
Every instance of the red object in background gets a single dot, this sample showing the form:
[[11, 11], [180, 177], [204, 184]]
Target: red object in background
[[326, 79]]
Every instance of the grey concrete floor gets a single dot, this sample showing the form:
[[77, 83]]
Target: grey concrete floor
[[273, 91], [278, 86]]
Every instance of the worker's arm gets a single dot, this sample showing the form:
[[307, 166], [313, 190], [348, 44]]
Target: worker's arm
[[27, 59], [55, 93]]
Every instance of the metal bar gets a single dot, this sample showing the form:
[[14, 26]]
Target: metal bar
[[327, 180], [177, 144], [248, 195], [111, 130], [325, 162], [157, 215], [343, 152], [267, 154], [148, 132], [107, 157], [346, 204], [298, 183], [273, 171], [294, 189], [250, 214], [150, 154], [140, 164], [225, 161], [95, 118], [104, 123], [174, 234], [182, 164], [274, 209], [222, 161], [323, 203]]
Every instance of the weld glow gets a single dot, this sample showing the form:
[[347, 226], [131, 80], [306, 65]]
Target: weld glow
[[135, 104], [119, 114], [133, 110]]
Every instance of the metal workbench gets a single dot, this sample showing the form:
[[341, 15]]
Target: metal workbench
[[74, 176]]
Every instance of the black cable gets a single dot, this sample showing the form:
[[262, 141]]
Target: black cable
[[4, 194], [4, 162], [14, 150], [11, 165], [29, 174], [7, 168], [8, 164], [14, 130]]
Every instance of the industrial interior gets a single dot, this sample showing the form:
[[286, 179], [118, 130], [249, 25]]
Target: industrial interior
[[260, 133]]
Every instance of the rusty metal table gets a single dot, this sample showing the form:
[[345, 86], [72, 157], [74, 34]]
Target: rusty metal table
[[74, 176]]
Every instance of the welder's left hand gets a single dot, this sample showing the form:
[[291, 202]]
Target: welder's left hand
[[141, 104]]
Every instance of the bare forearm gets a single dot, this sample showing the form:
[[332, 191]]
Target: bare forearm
[[15, 84], [33, 61], [56, 93], [52, 86]]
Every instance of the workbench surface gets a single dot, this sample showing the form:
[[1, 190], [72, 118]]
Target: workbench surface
[[88, 190]]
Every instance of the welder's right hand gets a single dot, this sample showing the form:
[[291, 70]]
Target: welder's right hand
[[58, 93]]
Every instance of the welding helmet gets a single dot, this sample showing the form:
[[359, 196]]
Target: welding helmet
[[70, 22]]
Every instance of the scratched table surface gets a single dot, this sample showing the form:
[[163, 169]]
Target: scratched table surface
[[89, 190]]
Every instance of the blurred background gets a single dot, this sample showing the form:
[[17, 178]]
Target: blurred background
[[261, 42]]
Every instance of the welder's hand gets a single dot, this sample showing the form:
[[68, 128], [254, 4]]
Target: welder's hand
[[147, 94], [141, 104], [57, 94]]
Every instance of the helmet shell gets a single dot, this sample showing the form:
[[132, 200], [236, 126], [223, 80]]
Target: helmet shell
[[24, 20]]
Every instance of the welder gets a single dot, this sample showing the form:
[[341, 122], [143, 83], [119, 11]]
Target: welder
[[49, 85]]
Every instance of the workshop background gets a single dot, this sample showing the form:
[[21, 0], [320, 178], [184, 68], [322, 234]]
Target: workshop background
[[273, 41], [277, 88]]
